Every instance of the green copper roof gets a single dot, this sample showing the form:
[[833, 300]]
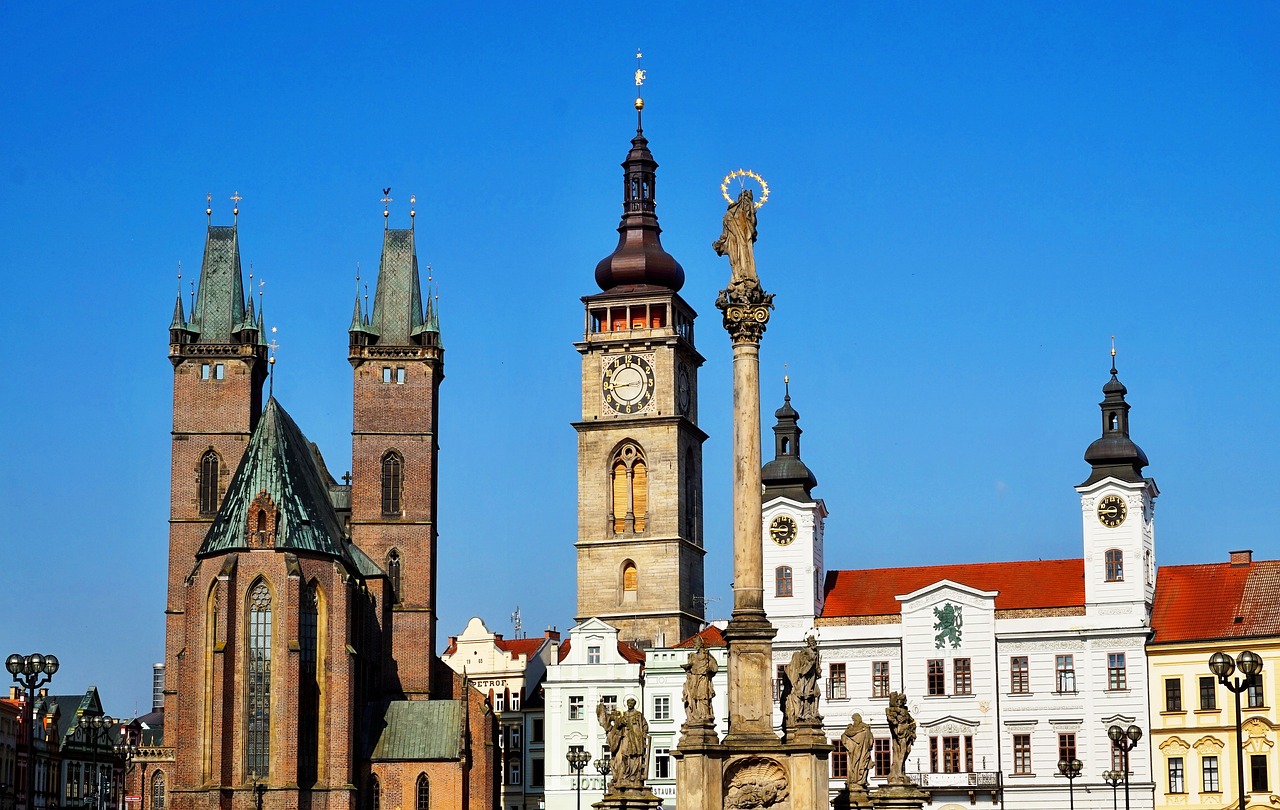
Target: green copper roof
[[397, 303], [219, 307], [280, 462], [415, 730]]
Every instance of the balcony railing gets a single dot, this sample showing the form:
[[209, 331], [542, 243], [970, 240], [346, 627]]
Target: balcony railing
[[983, 780]]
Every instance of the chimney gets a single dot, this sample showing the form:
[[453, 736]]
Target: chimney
[[554, 635], [1241, 559]]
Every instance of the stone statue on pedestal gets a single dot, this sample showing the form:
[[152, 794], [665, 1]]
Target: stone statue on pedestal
[[800, 687], [857, 741], [627, 735], [698, 689], [744, 302], [902, 732]]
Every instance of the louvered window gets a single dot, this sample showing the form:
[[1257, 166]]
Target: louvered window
[[629, 487]]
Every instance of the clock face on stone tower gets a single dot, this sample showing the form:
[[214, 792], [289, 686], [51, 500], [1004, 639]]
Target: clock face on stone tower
[[628, 383], [684, 391], [1112, 511], [783, 530]]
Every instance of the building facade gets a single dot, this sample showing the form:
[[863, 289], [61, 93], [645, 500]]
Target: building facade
[[1200, 610], [1008, 667], [300, 669]]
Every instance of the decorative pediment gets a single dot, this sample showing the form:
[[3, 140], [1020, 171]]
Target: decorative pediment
[[950, 726], [1208, 744], [1175, 746]]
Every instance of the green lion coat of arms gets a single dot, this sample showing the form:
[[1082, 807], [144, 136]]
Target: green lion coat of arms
[[948, 624]]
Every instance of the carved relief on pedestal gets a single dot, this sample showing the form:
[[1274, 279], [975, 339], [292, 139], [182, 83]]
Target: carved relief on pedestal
[[755, 783]]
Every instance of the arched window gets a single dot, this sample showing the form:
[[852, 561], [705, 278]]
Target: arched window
[[630, 580], [424, 793], [782, 581], [157, 791], [258, 673], [212, 635], [209, 482], [1113, 420], [393, 574], [630, 487], [309, 686], [1115, 565], [375, 793], [392, 480]]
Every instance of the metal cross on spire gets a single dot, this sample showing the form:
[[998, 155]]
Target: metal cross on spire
[[235, 210], [271, 363]]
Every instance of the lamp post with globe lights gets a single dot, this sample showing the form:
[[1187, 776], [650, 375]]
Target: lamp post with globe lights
[[1125, 740], [1249, 665], [1070, 768], [30, 672], [1113, 778], [126, 750], [578, 760], [96, 728]]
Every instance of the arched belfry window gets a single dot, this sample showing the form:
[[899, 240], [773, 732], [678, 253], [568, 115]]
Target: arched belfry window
[[1115, 565], [209, 467], [629, 483], [630, 581], [309, 685], [424, 793], [258, 675], [1114, 421], [393, 574], [392, 482]]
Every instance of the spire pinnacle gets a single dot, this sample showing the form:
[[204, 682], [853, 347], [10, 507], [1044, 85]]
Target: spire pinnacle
[[640, 77], [386, 207], [1113, 355], [208, 207], [235, 210], [271, 364]]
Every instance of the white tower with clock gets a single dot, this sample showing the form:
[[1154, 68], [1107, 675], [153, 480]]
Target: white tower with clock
[[640, 546], [1118, 510], [793, 530]]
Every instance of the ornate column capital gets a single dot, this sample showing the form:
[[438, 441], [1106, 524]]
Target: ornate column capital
[[745, 307]]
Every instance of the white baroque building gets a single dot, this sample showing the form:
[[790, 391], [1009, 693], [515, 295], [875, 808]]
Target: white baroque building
[[1008, 666]]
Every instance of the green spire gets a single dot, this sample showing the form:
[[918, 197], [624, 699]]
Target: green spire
[[397, 303], [179, 322], [219, 307]]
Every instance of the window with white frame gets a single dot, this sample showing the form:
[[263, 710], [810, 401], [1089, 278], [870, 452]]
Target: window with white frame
[[1065, 666], [879, 679], [593, 655], [1022, 753], [575, 707], [662, 707], [1117, 678], [662, 763], [1209, 774], [1175, 775]]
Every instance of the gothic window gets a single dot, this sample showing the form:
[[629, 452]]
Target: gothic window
[[424, 793], [309, 686], [1115, 565], [258, 672], [209, 482], [691, 498], [629, 485], [392, 481], [393, 574], [157, 791], [782, 581], [375, 793], [630, 578]]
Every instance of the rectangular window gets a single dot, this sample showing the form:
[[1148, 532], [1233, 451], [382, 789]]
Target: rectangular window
[[1117, 759], [1257, 699], [963, 677], [1208, 693], [1066, 747], [513, 772], [968, 754], [1019, 675], [782, 582], [204, 371], [575, 707], [593, 655], [1209, 774], [399, 376], [1115, 565], [1022, 753], [951, 755], [662, 763], [537, 730], [386, 374], [1175, 775], [537, 772], [1065, 668], [883, 754], [1173, 694], [937, 677], [777, 682], [515, 701], [514, 733], [1116, 678], [662, 707], [839, 760], [837, 685], [610, 702], [1258, 773], [933, 755], [879, 679], [499, 703], [217, 371]]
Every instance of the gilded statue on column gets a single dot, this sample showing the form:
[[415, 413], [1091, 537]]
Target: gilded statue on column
[[744, 302]]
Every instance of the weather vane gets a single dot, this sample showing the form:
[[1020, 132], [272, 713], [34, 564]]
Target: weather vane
[[386, 205], [208, 206], [413, 201], [640, 75], [738, 174], [271, 362], [235, 199]]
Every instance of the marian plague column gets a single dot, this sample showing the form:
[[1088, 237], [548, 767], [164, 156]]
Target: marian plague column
[[752, 767]]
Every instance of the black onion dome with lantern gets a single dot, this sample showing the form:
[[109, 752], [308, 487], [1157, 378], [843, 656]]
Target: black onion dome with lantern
[[1114, 454], [787, 476], [639, 262]]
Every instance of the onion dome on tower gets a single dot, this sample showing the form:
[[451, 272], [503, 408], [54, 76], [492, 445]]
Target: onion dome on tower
[[1114, 454], [639, 260], [787, 475]]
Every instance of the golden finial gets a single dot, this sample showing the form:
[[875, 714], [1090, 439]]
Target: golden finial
[[208, 207], [413, 200], [640, 76], [1113, 345], [235, 199], [386, 206]]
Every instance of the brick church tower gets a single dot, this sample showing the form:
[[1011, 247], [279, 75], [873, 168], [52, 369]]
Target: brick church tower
[[301, 669]]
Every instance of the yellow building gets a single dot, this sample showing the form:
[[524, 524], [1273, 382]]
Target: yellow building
[[1200, 610]]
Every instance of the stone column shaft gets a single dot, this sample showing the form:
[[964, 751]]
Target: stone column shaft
[[748, 556]]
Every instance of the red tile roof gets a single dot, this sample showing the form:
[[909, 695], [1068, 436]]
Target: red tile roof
[[1216, 601], [711, 636], [1021, 585], [521, 646], [633, 655]]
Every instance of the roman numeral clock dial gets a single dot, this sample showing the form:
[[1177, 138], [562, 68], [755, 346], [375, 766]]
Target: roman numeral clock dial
[[628, 384]]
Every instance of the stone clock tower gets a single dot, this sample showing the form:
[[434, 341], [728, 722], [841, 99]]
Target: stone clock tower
[[640, 546]]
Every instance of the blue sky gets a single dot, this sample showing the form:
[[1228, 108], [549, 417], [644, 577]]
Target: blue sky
[[968, 201]]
